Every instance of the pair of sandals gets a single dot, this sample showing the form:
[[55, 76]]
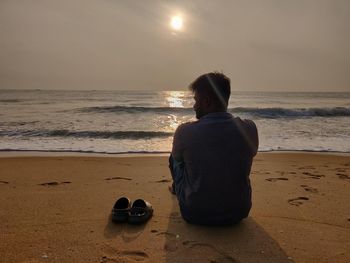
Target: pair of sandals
[[136, 213]]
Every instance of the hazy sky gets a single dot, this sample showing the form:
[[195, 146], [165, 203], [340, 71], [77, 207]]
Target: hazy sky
[[274, 45]]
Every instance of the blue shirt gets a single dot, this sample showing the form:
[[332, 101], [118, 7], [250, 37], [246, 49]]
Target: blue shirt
[[217, 153]]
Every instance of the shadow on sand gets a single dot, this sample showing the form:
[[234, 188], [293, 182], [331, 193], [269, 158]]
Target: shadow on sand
[[244, 242], [127, 232]]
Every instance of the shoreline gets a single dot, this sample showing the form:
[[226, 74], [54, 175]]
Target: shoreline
[[35, 153]]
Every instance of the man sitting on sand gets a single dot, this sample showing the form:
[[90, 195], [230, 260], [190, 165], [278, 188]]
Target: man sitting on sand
[[211, 158]]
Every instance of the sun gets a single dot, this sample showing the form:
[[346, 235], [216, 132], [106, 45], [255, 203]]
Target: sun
[[176, 23]]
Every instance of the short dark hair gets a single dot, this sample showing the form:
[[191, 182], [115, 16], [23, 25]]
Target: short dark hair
[[215, 84]]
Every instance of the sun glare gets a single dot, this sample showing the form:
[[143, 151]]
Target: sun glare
[[176, 23], [175, 99]]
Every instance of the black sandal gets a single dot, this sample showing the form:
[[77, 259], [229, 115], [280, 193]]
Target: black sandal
[[140, 212], [121, 209]]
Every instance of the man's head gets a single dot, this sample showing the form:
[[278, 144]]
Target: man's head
[[211, 93]]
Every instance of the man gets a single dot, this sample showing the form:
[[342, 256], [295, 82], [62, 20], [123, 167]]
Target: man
[[211, 158]]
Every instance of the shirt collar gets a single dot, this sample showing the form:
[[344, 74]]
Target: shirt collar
[[217, 115]]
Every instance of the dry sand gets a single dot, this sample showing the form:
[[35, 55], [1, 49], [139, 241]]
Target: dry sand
[[57, 209]]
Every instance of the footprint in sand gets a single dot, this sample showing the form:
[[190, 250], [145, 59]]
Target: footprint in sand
[[313, 176], [115, 255], [136, 255], [309, 188], [125, 164], [276, 179], [307, 167], [162, 181], [297, 201], [118, 178], [3, 182], [340, 170], [200, 251], [170, 246], [168, 234], [171, 243], [54, 183], [343, 176], [106, 259]]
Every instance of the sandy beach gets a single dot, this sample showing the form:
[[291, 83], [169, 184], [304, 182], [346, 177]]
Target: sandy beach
[[56, 208]]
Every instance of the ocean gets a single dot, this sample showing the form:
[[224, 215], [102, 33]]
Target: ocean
[[145, 121]]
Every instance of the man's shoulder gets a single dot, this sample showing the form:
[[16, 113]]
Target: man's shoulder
[[186, 126], [249, 124], [251, 132]]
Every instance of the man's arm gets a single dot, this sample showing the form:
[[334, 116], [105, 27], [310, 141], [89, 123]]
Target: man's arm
[[253, 136], [178, 144]]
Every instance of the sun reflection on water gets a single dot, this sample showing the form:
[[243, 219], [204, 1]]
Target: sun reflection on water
[[175, 99], [173, 122]]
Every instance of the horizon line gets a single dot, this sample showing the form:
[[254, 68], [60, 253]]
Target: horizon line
[[181, 90]]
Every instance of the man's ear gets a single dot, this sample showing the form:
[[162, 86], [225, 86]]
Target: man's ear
[[207, 101]]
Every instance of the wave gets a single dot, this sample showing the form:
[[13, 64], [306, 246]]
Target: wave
[[132, 135], [10, 100], [69, 151], [250, 111], [127, 109], [17, 123], [77, 151], [298, 112]]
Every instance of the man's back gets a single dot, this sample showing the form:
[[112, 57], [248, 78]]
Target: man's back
[[217, 153]]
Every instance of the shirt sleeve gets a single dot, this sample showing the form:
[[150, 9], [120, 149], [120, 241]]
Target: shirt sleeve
[[178, 144], [253, 137]]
